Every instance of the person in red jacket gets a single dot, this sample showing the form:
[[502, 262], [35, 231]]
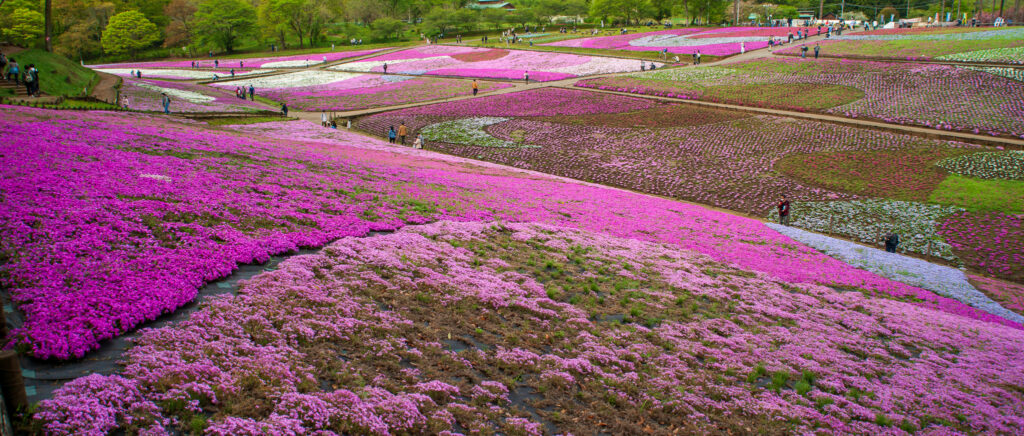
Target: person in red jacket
[[783, 206]]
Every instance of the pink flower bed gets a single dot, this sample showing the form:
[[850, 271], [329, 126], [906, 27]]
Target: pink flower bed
[[1009, 295], [111, 220], [373, 90], [313, 58], [505, 64], [454, 326]]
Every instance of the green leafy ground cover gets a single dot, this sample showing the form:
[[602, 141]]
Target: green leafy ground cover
[[59, 76]]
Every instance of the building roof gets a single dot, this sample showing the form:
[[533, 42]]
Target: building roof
[[490, 4]]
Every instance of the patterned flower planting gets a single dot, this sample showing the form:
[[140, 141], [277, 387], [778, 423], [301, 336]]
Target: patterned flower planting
[[533, 329], [442, 60], [716, 42], [944, 280], [154, 209], [336, 91], [989, 45], [937, 96], [146, 95], [868, 221]]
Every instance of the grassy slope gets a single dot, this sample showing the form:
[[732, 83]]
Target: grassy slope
[[58, 75]]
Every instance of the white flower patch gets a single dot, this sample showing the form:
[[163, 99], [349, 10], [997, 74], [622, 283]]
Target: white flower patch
[[943, 280], [176, 74], [293, 63], [468, 131], [1013, 55], [292, 80], [189, 96], [599, 65], [688, 74], [155, 177], [1003, 165], [688, 41], [367, 66], [869, 220]]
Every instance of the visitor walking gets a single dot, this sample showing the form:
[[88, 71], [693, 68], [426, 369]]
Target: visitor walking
[[892, 240], [526, 77], [402, 132], [216, 63], [817, 48], [391, 134], [385, 66], [323, 118], [743, 47], [698, 57], [418, 143], [31, 76], [643, 65], [252, 93], [165, 101], [241, 64], [284, 109], [783, 206], [803, 51], [124, 101], [476, 87]]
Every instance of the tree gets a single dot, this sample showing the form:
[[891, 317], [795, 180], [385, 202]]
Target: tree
[[364, 11], [129, 32], [182, 14], [78, 26], [628, 10], [25, 26], [496, 17], [662, 8], [48, 24], [385, 28], [221, 23], [295, 14]]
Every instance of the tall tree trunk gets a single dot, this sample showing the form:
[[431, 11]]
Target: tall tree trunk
[[736, 12], [821, 9], [48, 25]]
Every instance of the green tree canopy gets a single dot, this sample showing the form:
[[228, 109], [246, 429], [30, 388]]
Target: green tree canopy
[[129, 32], [385, 28], [221, 23]]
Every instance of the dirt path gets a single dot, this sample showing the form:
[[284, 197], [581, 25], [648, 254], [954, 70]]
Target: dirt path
[[106, 89]]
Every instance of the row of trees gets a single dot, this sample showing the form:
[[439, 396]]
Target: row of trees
[[90, 28]]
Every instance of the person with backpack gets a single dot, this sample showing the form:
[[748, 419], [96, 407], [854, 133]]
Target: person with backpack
[[892, 240], [284, 109], [803, 51], [252, 93], [391, 134], [3, 62], [32, 80]]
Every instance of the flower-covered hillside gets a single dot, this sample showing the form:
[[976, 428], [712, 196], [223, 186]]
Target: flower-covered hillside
[[531, 329], [110, 220]]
